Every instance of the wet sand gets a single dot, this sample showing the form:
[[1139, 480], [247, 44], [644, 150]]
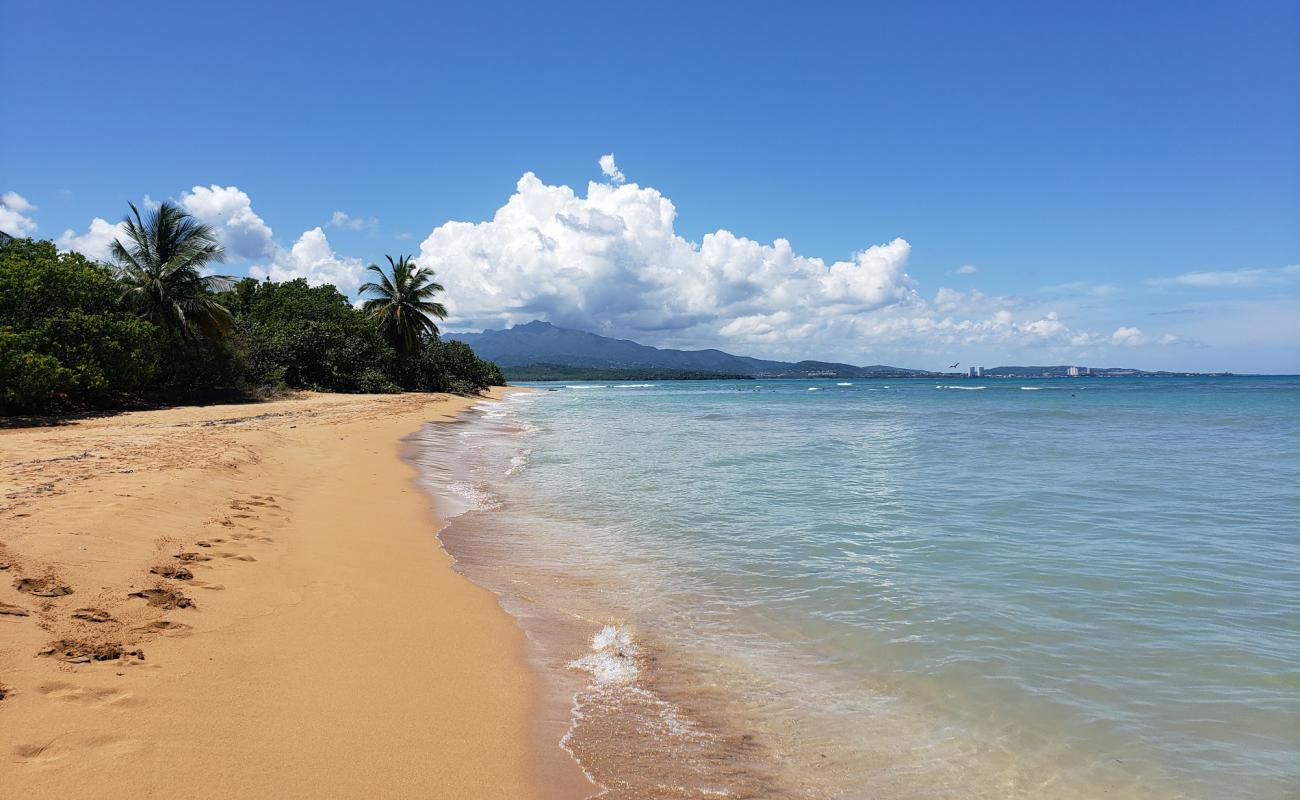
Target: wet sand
[[247, 601]]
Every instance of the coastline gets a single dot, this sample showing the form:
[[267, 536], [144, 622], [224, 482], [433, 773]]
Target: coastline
[[330, 650]]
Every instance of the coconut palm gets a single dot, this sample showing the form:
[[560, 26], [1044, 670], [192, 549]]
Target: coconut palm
[[161, 266], [404, 304]]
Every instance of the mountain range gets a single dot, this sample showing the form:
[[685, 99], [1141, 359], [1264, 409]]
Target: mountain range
[[540, 351], [540, 344]]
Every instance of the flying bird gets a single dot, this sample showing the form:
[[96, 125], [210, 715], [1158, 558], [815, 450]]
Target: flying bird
[[954, 366]]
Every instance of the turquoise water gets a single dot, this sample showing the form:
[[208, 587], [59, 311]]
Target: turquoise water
[[1069, 587]]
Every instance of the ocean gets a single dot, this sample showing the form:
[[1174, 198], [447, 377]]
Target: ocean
[[997, 588]]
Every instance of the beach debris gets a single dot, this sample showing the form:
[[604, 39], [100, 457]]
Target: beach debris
[[172, 571], [73, 651], [8, 609], [191, 557], [164, 598], [4, 691], [96, 615], [42, 587]]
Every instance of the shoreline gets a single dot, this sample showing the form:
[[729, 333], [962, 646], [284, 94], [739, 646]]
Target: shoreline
[[316, 659]]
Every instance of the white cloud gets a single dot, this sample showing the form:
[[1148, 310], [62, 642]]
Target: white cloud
[[612, 262], [611, 169], [229, 212], [340, 219], [1132, 337], [95, 242], [1229, 278], [1082, 289], [312, 258], [15, 217], [967, 269]]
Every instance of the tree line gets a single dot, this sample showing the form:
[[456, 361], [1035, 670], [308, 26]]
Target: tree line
[[152, 325]]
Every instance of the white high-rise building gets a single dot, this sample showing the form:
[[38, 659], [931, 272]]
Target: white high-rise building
[[979, 372], [970, 372], [1073, 372]]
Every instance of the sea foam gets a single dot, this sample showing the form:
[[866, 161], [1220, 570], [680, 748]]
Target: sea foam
[[612, 658]]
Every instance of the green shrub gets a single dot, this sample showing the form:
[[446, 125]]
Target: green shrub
[[306, 337], [448, 366], [62, 335]]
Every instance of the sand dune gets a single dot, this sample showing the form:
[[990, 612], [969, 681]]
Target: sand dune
[[245, 601]]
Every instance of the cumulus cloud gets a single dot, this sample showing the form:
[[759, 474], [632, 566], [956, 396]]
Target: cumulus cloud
[[1133, 337], [95, 242], [312, 258], [1230, 278], [15, 215], [229, 212], [612, 261], [967, 269], [611, 169], [340, 219]]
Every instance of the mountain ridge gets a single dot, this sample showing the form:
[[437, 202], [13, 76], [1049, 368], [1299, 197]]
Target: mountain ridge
[[539, 342], [538, 350]]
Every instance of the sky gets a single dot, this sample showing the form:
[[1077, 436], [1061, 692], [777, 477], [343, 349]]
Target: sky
[[1107, 184]]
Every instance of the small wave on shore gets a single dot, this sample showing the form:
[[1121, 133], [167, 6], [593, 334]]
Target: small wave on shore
[[612, 658], [519, 461], [474, 496]]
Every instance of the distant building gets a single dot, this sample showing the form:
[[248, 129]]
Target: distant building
[[979, 372], [1073, 372], [970, 372]]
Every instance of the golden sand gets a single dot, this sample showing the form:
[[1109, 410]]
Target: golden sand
[[258, 607]]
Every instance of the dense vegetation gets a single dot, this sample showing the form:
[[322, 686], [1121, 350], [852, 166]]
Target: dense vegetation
[[78, 334]]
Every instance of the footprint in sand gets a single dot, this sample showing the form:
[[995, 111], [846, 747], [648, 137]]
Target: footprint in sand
[[74, 651], [42, 587], [83, 695], [8, 609], [164, 598], [192, 557], [65, 746], [95, 615], [4, 691], [172, 571]]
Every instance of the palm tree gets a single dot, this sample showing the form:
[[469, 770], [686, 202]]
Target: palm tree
[[162, 268], [404, 304]]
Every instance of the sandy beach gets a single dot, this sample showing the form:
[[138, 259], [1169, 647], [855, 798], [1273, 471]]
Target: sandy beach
[[246, 601]]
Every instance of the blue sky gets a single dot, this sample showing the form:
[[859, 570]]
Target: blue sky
[[1124, 179]]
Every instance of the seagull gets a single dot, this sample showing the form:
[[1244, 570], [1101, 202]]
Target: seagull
[[954, 366]]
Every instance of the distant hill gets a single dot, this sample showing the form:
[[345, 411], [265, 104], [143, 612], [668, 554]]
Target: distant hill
[[557, 372], [542, 344]]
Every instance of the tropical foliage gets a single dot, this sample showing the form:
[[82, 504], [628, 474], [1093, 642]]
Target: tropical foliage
[[161, 270], [62, 331], [78, 334], [403, 306]]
